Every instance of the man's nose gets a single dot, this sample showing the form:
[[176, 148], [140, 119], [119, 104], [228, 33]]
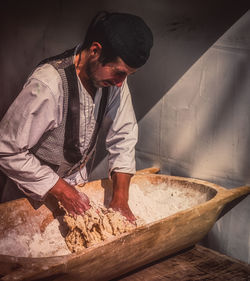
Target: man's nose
[[119, 84], [119, 81]]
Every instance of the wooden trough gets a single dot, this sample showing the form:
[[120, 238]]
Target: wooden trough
[[112, 258]]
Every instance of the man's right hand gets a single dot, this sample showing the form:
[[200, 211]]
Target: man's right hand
[[74, 202]]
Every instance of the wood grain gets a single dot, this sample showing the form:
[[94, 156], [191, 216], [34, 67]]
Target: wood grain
[[113, 258]]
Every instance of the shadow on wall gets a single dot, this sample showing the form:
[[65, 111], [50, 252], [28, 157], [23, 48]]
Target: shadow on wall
[[182, 36], [200, 126], [32, 31], [183, 31]]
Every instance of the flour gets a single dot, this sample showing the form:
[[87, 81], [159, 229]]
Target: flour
[[15, 245], [46, 244], [49, 243], [148, 203], [155, 202]]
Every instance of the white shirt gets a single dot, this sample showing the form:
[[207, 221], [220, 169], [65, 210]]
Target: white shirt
[[39, 107]]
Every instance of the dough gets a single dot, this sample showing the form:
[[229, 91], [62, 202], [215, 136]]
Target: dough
[[96, 225]]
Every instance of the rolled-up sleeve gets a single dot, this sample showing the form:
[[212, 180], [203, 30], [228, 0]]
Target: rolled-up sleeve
[[123, 133], [34, 111]]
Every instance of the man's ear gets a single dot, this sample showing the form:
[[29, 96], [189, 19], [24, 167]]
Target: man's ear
[[95, 50]]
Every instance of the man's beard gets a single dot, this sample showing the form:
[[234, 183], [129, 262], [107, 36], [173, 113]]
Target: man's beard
[[90, 71]]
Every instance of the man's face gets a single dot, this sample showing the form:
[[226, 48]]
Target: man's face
[[110, 74]]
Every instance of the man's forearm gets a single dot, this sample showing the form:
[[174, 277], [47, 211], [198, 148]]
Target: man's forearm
[[26, 171], [121, 183], [120, 198]]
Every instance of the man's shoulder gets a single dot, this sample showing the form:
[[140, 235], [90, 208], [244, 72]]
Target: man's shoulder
[[47, 75], [62, 59]]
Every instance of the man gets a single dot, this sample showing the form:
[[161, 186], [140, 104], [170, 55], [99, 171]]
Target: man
[[49, 133]]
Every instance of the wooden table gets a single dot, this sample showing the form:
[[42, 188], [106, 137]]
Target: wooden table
[[197, 263]]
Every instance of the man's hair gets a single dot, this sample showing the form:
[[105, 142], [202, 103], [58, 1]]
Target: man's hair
[[120, 35]]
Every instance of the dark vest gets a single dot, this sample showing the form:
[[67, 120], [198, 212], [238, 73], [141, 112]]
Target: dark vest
[[61, 144]]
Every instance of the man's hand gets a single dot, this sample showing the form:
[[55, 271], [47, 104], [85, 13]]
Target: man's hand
[[124, 209], [74, 202], [119, 201]]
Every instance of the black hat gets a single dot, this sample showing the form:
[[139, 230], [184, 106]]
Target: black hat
[[124, 35], [130, 38]]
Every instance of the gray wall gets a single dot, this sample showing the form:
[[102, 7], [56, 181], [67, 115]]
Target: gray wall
[[200, 129], [191, 99]]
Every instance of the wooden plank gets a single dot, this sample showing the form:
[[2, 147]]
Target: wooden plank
[[195, 264]]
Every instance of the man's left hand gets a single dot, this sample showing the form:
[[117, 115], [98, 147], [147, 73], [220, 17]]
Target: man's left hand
[[124, 209], [119, 201]]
